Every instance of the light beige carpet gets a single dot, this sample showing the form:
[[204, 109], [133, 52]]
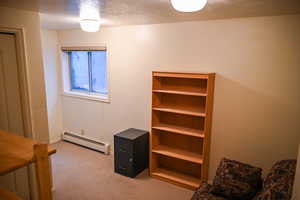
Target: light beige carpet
[[83, 174]]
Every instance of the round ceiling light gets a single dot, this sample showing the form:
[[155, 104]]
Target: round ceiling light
[[188, 5], [90, 25]]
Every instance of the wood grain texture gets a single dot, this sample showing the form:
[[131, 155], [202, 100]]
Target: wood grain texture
[[189, 93], [178, 153], [43, 171], [179, 179], [208, 125], [7, 195], [181, 75], [193, 112], [181, 125], [179, 130], [16, 152]]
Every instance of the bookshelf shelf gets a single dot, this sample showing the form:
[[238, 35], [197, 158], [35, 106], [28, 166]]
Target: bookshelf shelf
[[177, 178], [179, 130], [181, 92], [194, 112], [178, 153]]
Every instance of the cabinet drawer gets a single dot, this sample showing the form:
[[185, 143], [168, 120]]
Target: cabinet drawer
[[123, 169], [123, 146], [123, 152]]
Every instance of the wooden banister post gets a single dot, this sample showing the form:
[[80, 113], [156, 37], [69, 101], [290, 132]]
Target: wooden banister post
[[7, 195], [43, 171]]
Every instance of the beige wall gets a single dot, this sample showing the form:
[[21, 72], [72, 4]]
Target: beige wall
[[30, 22], [257, 98], [53, 82]]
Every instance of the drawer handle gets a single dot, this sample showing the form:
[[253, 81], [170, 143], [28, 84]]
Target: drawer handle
[[122, 168]]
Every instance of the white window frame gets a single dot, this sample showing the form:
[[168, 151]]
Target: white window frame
[[66, 75]]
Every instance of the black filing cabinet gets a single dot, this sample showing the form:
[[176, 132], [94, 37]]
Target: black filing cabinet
[[131, 148]]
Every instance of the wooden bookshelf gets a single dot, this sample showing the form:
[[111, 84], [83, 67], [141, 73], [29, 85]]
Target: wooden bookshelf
[[182, 105]]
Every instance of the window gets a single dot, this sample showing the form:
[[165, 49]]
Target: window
[[87, 71]]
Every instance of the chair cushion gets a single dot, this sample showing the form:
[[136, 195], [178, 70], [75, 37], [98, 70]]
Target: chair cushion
[[281, 171], [203, 193], [235, 180], [278, 184]]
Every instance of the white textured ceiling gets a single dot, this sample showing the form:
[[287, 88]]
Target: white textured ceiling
[[64, 14]]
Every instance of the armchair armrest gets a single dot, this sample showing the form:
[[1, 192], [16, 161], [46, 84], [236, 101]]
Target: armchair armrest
[[204, 193]]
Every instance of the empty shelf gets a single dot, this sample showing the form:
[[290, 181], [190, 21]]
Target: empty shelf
[[189, 93], [189, 181], [178, 153], [180, 111], [179, 130], [181, 75]]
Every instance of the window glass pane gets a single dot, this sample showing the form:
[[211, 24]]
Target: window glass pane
[[79, 70], [99, 78]]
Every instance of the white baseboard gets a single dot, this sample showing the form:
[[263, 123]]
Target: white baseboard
[[87, 142]]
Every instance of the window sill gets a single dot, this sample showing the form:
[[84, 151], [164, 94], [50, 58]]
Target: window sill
[[91, 97]]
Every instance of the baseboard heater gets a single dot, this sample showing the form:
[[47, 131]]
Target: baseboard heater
[[86, 142]]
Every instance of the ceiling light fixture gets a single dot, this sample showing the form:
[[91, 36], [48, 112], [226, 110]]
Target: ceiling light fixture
[[90, 25], [188, 5]]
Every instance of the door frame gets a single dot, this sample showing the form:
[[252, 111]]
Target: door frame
[[22, 68]]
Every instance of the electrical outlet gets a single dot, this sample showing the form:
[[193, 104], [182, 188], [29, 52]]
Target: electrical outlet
[[82, 132]]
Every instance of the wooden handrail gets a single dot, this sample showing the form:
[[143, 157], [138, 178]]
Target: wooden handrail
[[17, 152], [6, 195]]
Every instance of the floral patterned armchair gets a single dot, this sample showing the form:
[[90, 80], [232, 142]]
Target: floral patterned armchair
[[238, 181]]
